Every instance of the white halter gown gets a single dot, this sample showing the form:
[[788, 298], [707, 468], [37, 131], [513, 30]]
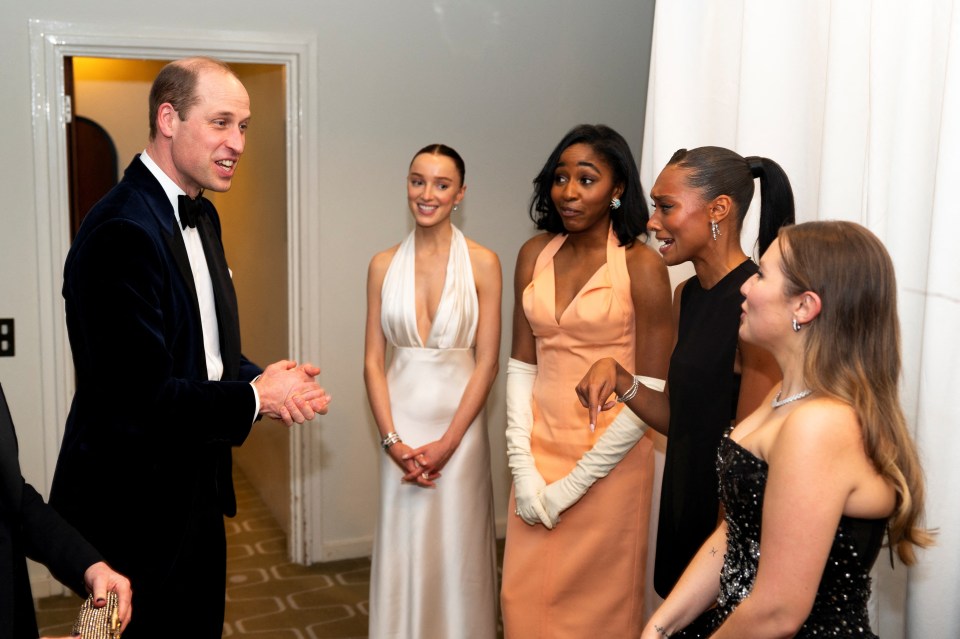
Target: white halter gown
[[434, 557]]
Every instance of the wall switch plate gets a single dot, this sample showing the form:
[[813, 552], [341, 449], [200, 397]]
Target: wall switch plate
[[6, 337]]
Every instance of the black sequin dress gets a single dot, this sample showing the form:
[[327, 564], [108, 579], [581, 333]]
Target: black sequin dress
[[840, 607]]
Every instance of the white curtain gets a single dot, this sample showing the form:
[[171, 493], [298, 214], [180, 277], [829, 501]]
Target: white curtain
[[859, 101]]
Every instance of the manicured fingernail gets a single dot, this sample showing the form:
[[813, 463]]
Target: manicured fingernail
[[593, 427]]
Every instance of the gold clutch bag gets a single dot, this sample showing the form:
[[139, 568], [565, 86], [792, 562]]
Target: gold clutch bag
[[99, 623]]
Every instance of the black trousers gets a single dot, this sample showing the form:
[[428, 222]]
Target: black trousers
[[189, 600]]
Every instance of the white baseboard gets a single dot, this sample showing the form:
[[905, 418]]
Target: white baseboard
[[347, 548], [363, 546]]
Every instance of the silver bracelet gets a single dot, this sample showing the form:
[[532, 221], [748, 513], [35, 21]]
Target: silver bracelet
[[389, 440], [632, 392]]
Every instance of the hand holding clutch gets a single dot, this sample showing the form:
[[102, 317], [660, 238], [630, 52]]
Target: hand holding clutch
[[99, 623]]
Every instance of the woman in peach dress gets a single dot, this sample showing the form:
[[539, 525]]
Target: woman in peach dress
[[576, 547]]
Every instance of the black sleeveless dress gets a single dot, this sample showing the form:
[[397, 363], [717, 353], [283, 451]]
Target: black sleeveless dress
[[840, 607], [703, 403]]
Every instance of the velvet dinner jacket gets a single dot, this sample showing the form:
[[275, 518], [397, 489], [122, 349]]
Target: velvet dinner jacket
[[145, 422], [30, 528]]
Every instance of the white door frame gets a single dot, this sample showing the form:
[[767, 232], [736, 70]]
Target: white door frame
[[50, 43]]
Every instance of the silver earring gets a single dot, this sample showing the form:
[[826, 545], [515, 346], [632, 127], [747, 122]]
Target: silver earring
[[456, 207], [796, 325], [615, 203], [715, 230]]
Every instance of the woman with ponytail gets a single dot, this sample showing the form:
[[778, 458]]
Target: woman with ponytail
[[812, 480], [700, 200]]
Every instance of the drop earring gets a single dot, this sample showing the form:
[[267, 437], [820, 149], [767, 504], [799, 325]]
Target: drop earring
[[615, 203], [715, 230], [796, 325]]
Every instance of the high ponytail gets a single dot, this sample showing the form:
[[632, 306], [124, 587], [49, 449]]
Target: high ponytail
[[718, 171], [776, 199]]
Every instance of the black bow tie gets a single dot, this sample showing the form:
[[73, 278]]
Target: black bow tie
[[190, 210]]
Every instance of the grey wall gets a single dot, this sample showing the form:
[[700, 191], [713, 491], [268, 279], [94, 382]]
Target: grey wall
[[499, 80]]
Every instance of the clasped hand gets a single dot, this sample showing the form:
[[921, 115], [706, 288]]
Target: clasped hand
[[289, 392], [422, 465]]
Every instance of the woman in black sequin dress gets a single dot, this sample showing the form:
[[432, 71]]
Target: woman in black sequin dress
[[813, 478]]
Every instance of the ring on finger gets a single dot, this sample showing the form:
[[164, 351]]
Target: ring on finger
[[425, 475]]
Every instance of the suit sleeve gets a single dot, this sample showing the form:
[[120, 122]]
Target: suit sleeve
[[128, 332], [248, 370], [51, 541]]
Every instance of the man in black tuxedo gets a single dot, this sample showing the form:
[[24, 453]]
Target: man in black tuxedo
[[163, 391], [31, 528]]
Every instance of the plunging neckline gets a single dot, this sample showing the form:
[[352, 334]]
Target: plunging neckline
[[558, 317], [586, 285], [443, 291], [453, 324]]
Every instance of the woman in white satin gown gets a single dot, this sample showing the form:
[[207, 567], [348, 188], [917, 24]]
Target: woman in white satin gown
[[435, 300]]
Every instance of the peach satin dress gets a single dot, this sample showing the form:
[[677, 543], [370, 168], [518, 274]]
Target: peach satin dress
[[584, 578]]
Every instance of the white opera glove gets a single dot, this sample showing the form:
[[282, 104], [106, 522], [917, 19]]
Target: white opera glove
[[621, 436], [527, 481]]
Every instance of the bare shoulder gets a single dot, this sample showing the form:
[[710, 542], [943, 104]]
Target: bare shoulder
[[380, 262], [527, 256], [642, 257], [481, 257], [534, 246], [647, 271], [824, 424], [486, 267]]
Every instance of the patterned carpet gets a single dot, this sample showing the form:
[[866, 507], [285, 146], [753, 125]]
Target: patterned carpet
[[267, 596]]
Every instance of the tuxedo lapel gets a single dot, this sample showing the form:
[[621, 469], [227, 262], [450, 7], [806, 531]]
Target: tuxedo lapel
[[228, 322], [178, 249], [225, 297], [158, 205]]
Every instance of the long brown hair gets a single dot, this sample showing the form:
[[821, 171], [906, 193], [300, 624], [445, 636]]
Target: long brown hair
[[852, 353]]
